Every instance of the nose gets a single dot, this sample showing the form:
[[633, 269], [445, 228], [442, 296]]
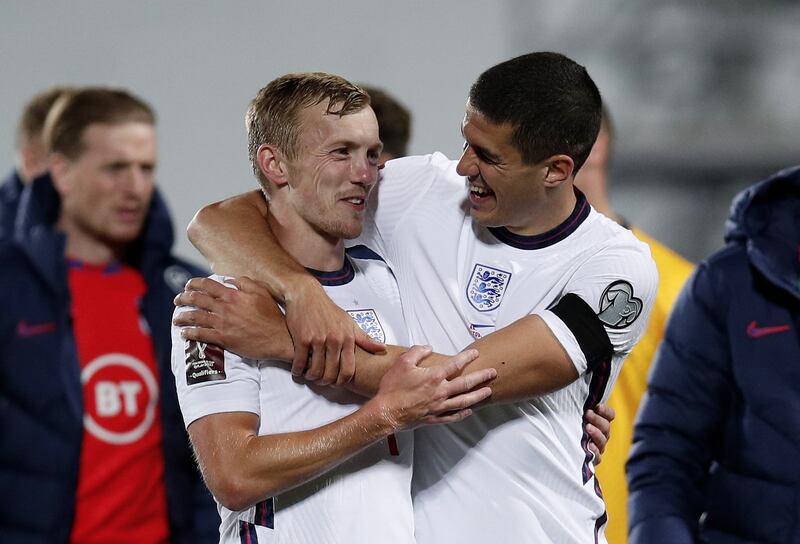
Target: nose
[[140, 180], [364, 171], [467, 165]]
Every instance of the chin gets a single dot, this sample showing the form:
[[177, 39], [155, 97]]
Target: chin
[[125, 236], [483, 219], [350, 233], [341, 228], [348, 230]]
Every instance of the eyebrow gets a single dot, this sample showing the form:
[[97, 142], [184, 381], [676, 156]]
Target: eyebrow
[[352, 143], [480, 150], [483, 153]]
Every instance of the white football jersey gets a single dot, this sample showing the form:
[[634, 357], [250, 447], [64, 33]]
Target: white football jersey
[[365, 499], [518, 472]]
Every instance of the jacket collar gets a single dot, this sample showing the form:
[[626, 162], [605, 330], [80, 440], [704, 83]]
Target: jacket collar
[[764, 218]]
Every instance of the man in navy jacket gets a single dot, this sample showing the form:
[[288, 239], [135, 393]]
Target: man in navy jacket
[[31, 154], [55, 403], [718, 437]]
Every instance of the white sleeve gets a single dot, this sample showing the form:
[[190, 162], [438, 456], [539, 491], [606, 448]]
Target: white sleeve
[[210, 380], [619, 286], [402, 184]]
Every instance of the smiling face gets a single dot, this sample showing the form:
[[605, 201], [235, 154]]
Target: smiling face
[[335, 169], [106, 190], [503, 190]]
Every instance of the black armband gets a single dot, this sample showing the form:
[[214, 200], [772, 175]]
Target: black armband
[[589, 331]]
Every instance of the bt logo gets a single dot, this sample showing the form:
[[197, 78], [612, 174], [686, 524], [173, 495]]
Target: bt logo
[[111, 397], [121, 395]]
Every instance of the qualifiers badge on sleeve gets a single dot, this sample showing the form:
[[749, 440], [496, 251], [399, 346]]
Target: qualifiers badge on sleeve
[[204, 362], [618, 307]]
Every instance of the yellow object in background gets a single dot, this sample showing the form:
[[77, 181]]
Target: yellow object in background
[[631, 384]]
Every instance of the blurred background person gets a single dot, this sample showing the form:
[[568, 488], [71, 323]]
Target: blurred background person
[[632, 381], [715, 444], [93, 445], [31, 154], [394, 123]]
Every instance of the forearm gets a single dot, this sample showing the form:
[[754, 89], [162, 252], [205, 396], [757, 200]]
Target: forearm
[[371, 367], [528, 359], [244, 468], [256, 253]]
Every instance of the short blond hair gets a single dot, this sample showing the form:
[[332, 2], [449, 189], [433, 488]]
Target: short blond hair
[[71, 116], [274, 114], [31, 122]]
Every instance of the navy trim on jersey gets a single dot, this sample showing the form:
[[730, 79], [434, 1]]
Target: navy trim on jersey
[[598, 524], [114, 267], [589, 331], [338, 277], [247, 533], [363, 252], [265, 513], [552, 236], [597, 388]]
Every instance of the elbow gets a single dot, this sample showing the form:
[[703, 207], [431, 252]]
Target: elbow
[[235, 491]]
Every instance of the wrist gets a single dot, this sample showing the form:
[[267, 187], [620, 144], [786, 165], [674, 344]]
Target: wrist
[[379, 418], [275, 350], [297, 287]]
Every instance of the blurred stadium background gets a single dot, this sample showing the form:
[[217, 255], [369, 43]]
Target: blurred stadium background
[[704, 95]]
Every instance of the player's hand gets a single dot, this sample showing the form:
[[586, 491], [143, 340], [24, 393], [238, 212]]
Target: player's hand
[[245, 320], [410, 395], [325, 337], [598, 427]]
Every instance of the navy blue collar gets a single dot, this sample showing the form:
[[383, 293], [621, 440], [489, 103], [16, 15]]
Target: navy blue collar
[[338, 277], [552, 236], [113, 267]]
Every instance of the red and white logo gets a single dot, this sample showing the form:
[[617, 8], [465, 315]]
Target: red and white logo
[[121, 394]]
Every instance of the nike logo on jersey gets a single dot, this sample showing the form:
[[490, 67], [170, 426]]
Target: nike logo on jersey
[[474, 330], [754, 331], [24, 330]]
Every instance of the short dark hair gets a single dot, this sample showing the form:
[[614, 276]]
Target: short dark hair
[[71, 116], [549, 100], [274, 114], [31, 122], [394, 121]]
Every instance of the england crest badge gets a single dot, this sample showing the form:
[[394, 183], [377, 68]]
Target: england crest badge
[[369, 323], [486, 287]]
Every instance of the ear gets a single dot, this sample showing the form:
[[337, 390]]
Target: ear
[[559, 170], [273, 165], [59, 167], [30, 160]]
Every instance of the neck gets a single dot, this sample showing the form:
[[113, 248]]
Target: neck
[[556, 206], [88, 249], [305, 244], [594, 184], [598, 198]]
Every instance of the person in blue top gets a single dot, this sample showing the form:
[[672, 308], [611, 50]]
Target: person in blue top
[[93, 444], [717, 439], [31, 154]]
